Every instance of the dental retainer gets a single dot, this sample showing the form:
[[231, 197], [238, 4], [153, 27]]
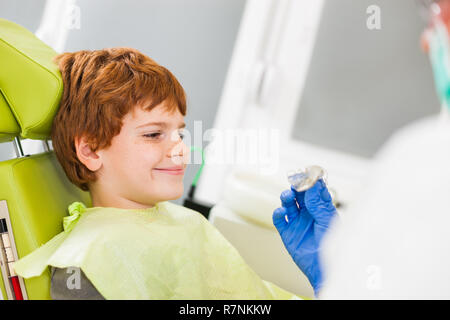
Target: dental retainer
[[305, 178]]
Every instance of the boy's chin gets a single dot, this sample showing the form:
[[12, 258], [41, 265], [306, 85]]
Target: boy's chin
[[172, 195]]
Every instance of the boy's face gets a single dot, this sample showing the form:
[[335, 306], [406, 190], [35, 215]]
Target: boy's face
[[146, 161]]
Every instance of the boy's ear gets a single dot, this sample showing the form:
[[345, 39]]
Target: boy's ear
[[89, 158]]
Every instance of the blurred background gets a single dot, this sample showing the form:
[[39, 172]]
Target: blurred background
[[335, 78]]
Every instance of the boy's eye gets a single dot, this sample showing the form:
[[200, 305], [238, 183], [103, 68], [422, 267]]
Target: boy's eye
[[154, 135]]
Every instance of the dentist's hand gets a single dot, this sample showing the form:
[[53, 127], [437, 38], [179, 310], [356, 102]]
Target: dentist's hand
[[309, 214]]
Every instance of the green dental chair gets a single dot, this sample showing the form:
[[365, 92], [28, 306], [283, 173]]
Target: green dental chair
[[34, 190]]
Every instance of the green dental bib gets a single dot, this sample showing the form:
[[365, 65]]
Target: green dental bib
[[164, 252]]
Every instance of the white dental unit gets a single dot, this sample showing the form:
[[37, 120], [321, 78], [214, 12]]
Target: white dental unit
[[333, 87]]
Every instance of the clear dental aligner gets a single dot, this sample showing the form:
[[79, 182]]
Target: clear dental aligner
[[303, 179]]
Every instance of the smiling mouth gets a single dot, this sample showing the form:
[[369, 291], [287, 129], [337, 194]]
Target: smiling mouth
[[172, 171]]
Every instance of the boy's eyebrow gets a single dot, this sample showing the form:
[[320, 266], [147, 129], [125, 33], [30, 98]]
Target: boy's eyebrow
[[161, 124]]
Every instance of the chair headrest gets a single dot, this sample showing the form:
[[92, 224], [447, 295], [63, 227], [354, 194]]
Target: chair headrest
[[30, 83]]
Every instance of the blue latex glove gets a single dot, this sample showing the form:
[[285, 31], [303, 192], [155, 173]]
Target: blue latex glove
[[309, 214]]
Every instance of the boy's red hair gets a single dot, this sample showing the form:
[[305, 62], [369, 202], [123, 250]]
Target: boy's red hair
[[100, 88]]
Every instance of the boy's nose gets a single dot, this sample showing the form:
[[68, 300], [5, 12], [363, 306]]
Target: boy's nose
[[178, 153]]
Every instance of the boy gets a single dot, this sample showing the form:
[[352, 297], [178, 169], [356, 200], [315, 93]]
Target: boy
[[130, 169], [109, 90]]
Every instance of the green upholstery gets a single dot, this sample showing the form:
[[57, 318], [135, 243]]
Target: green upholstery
[[8, 124], [35, 187], [38, 194], [29, 81]]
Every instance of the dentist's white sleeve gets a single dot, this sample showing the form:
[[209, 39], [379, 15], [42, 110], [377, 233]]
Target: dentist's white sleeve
[[394, 243]]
